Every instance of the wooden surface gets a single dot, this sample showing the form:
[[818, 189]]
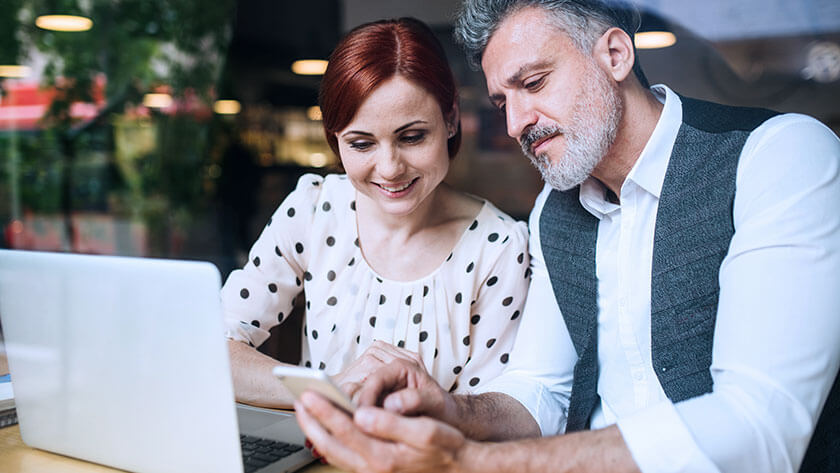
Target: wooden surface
[[16, 457]]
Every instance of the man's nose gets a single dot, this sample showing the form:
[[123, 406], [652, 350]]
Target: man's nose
[[520, 115]]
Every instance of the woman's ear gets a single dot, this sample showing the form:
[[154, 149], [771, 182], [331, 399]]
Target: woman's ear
[[615, 54], [453, 120]]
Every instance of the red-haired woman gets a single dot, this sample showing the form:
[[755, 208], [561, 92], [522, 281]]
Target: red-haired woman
[[393, 261]]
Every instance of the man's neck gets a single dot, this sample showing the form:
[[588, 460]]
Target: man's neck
[[641, 114]]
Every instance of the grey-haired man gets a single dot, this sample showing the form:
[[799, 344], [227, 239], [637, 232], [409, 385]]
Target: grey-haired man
[[683, 313]]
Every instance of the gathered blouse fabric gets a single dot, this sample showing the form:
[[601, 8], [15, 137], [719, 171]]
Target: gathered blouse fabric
[[461, 318]]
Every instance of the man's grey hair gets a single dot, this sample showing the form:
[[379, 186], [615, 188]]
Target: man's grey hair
[[584, 21]]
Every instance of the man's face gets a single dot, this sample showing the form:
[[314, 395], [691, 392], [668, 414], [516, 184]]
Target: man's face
[[561, 107]]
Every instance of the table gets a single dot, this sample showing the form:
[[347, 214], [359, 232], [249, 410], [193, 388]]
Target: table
[[16, 457]]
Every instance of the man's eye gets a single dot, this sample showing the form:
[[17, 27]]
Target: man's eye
[[534, 84], [360, 145]]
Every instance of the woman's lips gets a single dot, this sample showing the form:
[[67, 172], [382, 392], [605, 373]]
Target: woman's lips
[[397, 190]]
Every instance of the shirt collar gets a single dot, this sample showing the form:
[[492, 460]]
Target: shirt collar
[[648, 172]]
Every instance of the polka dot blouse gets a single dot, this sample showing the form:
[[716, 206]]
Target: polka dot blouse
[[461, 318]]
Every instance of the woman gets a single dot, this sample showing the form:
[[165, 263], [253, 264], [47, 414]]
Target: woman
[[393, 261]]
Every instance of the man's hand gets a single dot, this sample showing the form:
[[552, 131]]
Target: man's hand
[[377, 355], [404, 388], [377, 440]]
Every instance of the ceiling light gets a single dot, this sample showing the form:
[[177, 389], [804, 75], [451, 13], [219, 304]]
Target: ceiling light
[[227, 107], [309, 67], [157, 100], [314, 113], [655, 39], [12, 71], [63, 23]]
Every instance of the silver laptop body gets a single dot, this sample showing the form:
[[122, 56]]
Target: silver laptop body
[[123, 362]]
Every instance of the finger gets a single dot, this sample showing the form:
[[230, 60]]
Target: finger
[[327, 445], [392, 352], [381, 382], [409, 402], [418, 432]]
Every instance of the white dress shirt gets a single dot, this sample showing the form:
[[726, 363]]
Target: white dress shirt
[[777, 334]]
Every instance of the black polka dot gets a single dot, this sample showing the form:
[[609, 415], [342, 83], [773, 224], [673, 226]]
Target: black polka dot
[[330, 241], [316, 183], [520, 258], [331, 276], [454, 387], [308, 364], [356, 242], [475, 318], [255, 323], [507, 237], [299, 247], [244, 293], [291, 212], [280, 317], [277, 250], [382, 299], [470, 267], [474, 225], [307, 275], [425, 290], [321, 366], [297, 281], [326, 206], [401, 343], [456, 369], [315, 334], [304, 330], [466, 340], [423, 336], [269, 222], [492, 237], [527, 273], [515, 315], [436, 353], [458, 298], [332, 301], [378, 279], [256, 261], [333, 328], [307, 304], [408, 300], [491, 342], [353, 205], [417, 318], [358, 338], [474, 381], [492, 280], [272, 287], [504, 358], [372, 321], [449, 257], [352, 261], [508, 301]]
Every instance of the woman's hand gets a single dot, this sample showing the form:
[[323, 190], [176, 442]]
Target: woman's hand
[[375, 357]]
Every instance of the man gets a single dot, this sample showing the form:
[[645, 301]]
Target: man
[[683, 312]]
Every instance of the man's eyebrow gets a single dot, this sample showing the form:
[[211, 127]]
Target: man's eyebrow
[[517, 76]]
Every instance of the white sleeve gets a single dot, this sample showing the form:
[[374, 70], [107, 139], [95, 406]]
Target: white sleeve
[[777, 336], [539, 373], [261, 294]]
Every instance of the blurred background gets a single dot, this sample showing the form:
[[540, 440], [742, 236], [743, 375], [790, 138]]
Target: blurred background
[[174, 128]]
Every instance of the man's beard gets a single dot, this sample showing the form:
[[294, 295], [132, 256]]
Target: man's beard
[[591, 132]]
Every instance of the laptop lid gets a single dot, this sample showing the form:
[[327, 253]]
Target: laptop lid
[[120, 361]]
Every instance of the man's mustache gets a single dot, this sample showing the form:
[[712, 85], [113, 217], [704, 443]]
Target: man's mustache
[[534, 134]]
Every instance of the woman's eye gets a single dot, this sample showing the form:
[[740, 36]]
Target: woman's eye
[[360, 145], [412, 138]]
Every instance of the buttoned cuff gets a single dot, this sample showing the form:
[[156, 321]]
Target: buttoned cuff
[[547, 409], [661, 443]]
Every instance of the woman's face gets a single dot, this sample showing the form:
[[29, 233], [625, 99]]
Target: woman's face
[[394, 148]]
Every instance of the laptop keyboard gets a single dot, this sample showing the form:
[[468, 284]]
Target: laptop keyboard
[[258, 452]]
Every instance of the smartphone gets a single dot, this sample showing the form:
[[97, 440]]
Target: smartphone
[[298, 379]]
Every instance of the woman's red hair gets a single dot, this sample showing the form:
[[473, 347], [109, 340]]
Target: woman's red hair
[[371, 54]]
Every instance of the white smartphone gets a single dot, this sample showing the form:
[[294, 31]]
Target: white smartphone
[[299, 379]]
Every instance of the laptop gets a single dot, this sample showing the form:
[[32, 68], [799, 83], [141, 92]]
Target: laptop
[[123, 362]]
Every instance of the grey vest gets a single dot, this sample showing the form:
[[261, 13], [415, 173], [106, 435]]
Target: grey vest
[[693, 229]]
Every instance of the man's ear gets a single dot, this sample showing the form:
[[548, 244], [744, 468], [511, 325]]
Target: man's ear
[[614, 53]]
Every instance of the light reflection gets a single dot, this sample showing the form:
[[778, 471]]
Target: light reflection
[[14, 71], [309, 67], [157, 100], [64, 23]]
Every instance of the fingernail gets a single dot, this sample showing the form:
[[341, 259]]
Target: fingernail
[[393, 404], [315, 452], [364, 418], [307, 443], [323, 460]]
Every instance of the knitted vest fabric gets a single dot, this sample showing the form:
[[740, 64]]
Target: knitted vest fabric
[[694, 226]]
